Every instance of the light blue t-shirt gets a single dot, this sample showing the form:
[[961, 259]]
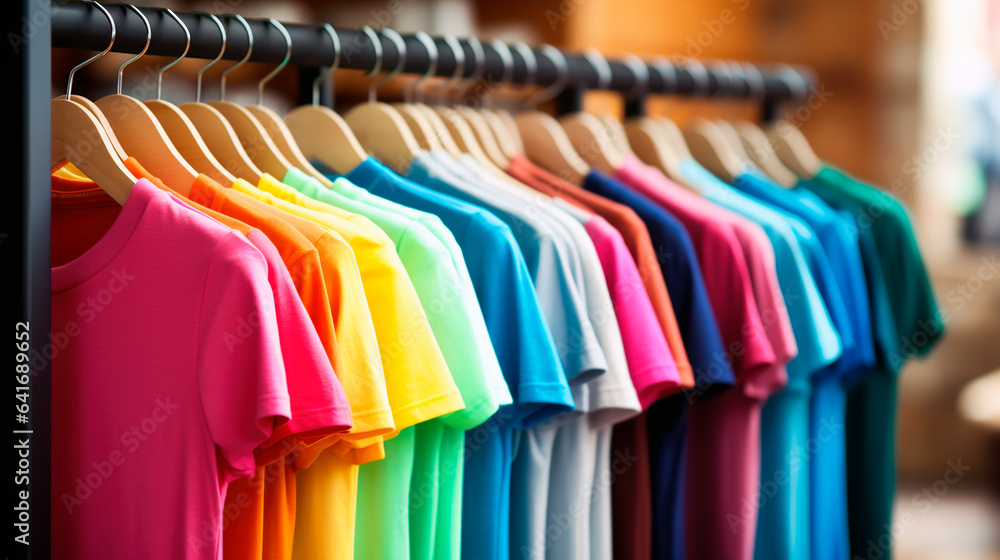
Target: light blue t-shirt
[[783, 529], [520, 335], [828, 477]]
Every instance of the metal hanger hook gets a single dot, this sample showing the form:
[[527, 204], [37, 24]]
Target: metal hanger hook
[[288, 55], [600, 65], [397, 40], [242, 61], [222, 32], [562, 75], [111, 43], [755, 79], [328, 73], [507, 61], [699, 73], [412, 90], [667, 72], [478, 67], [187, 35], [149, 38], [530, 66], [459, 54], [640, 71], [377, 45]]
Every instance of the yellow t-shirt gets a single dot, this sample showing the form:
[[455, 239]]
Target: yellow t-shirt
[[418, 382]]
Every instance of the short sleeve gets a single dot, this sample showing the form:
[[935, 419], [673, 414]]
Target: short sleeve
[[241, 376], [318, 404]]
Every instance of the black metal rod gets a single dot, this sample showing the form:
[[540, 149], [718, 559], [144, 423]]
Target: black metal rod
[[76, 25]]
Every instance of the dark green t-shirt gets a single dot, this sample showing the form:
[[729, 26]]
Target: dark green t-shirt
[[906, 322]]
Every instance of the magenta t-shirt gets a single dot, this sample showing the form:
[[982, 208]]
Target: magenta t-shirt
[[318, 403], [723, 460], [166, 374]]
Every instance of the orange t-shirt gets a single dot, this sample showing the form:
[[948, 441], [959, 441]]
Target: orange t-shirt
[[636, 238]]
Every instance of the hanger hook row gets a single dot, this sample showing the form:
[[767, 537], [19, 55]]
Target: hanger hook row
[[187, 46], [288, 55], [111, 43]]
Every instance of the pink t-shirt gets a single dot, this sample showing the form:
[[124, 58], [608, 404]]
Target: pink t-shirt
[[723, 460], [646, 350], [318, 404], [166, 374]]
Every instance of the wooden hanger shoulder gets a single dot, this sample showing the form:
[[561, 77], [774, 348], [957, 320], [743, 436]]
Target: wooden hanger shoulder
[[76, 131], [759, 147], [323, 135], [139, 131], [282, 138], [546, 143], [439, 129], [794, 150], [99, 115], [419, 126], [591, 139], [650, 144], [188, 142], [221, 139], [509, 145], [484, 135], [383, 132], [254, 138], [709, 146], [462, 133]]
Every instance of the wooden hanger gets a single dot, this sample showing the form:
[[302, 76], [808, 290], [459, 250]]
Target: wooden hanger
[[252, 136], [139, 131], [417, 119], [794, 150], [789, 143], [492, 124], [651, 145], [748, 138], [709, 146], [590, 137], [761, 151], [99, 115], [179, 127], [545, 141], [378, 126], [322, 134], [214, 129], [74, 127], [275, 127]]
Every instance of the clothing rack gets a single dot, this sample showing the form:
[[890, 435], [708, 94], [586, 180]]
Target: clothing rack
[[76, 25]]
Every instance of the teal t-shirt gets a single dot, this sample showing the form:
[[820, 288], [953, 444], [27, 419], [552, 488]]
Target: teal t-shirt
[[907, 322]]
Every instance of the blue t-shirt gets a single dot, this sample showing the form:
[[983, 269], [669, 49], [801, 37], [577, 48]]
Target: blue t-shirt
[[520, 336], [667, 419], [828, 477], [783, 528]]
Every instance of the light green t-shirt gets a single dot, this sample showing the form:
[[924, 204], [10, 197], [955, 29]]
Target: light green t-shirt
[[433, 509]]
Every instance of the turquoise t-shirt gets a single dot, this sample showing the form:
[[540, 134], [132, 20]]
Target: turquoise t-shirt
[[827, 464], [783, 523], [907, 322], [523, 343]]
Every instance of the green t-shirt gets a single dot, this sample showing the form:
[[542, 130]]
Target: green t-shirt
[[458, 326], [907, 322]]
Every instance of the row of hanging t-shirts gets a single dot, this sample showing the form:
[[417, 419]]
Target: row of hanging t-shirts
[[454, 361]]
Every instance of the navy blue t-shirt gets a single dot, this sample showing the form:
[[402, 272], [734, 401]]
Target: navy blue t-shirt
[[667, 419]]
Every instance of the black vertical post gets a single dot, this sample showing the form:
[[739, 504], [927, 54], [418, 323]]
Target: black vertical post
[[306, 76], [24, 251]]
